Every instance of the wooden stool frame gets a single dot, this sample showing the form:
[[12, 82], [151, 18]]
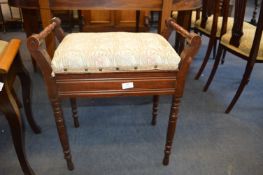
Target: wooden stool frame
[[154, 83]]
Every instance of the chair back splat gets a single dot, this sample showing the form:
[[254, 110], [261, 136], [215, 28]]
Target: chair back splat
[[124, 64]]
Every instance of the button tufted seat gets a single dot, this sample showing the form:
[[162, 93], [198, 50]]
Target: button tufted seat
[[114, 52]]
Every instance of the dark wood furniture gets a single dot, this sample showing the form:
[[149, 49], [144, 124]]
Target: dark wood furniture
[[30, 7], [246, 45], [10, 67], [212, 21], [108, 84], [114, 20], [9, 15]]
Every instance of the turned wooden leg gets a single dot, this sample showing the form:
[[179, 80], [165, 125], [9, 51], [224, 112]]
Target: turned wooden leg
[[73, 103], [155, 109], [215, 66], [206, 58], [241, 87], [171, 129], [26, 94], [62, 132], [11, 111]]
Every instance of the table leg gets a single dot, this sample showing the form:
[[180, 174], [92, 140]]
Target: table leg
[[30, 17], [184, 20]]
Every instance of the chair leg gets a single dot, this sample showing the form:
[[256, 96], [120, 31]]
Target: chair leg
[[26, 94], [241, 87], [138, 14], [16, 98], [11, 112], [214, 50], [73, 104], [223, 57], [206, 58], [176, 43], [62, 132], [171, 129], [215, 66], [155, 109]]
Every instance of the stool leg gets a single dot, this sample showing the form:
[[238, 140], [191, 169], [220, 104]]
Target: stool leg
[[62, 132], [155, 108], [73, 103], [11, 111], [26, 94], [171, 129]]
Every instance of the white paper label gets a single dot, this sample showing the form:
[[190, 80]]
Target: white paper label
[[128, 85], [1, 86]]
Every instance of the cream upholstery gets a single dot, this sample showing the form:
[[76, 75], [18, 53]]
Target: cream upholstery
[[114, 52], [3, 45], [246, 41], [208, 28]]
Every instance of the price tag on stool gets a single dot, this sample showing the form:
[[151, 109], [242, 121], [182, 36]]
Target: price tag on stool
[[128, 85], [1, 86]]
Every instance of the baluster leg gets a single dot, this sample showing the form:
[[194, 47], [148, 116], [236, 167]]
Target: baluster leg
[[73, 104], [62, 132], [171, 129], [155, 109]]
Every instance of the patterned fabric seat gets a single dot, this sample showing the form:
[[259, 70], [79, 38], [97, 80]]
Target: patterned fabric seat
[[246, 41], [208, 27], [114, 52]]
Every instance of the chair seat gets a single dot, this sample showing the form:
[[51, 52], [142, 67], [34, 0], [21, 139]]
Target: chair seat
[[208, 27], [246, 41], [114, 52]]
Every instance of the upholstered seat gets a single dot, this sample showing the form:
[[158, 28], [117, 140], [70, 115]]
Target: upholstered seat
[[114, 52], [246, 41], [209, 23], [208, 27]]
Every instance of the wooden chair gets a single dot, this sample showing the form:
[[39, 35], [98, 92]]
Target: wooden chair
[[10, 67], [243, 41], [113, 64], [213, 19]]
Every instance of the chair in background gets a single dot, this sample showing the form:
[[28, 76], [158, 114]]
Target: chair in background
[[10, 67], [10, 15], [124, 64], [213, 20], [244, 41]]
